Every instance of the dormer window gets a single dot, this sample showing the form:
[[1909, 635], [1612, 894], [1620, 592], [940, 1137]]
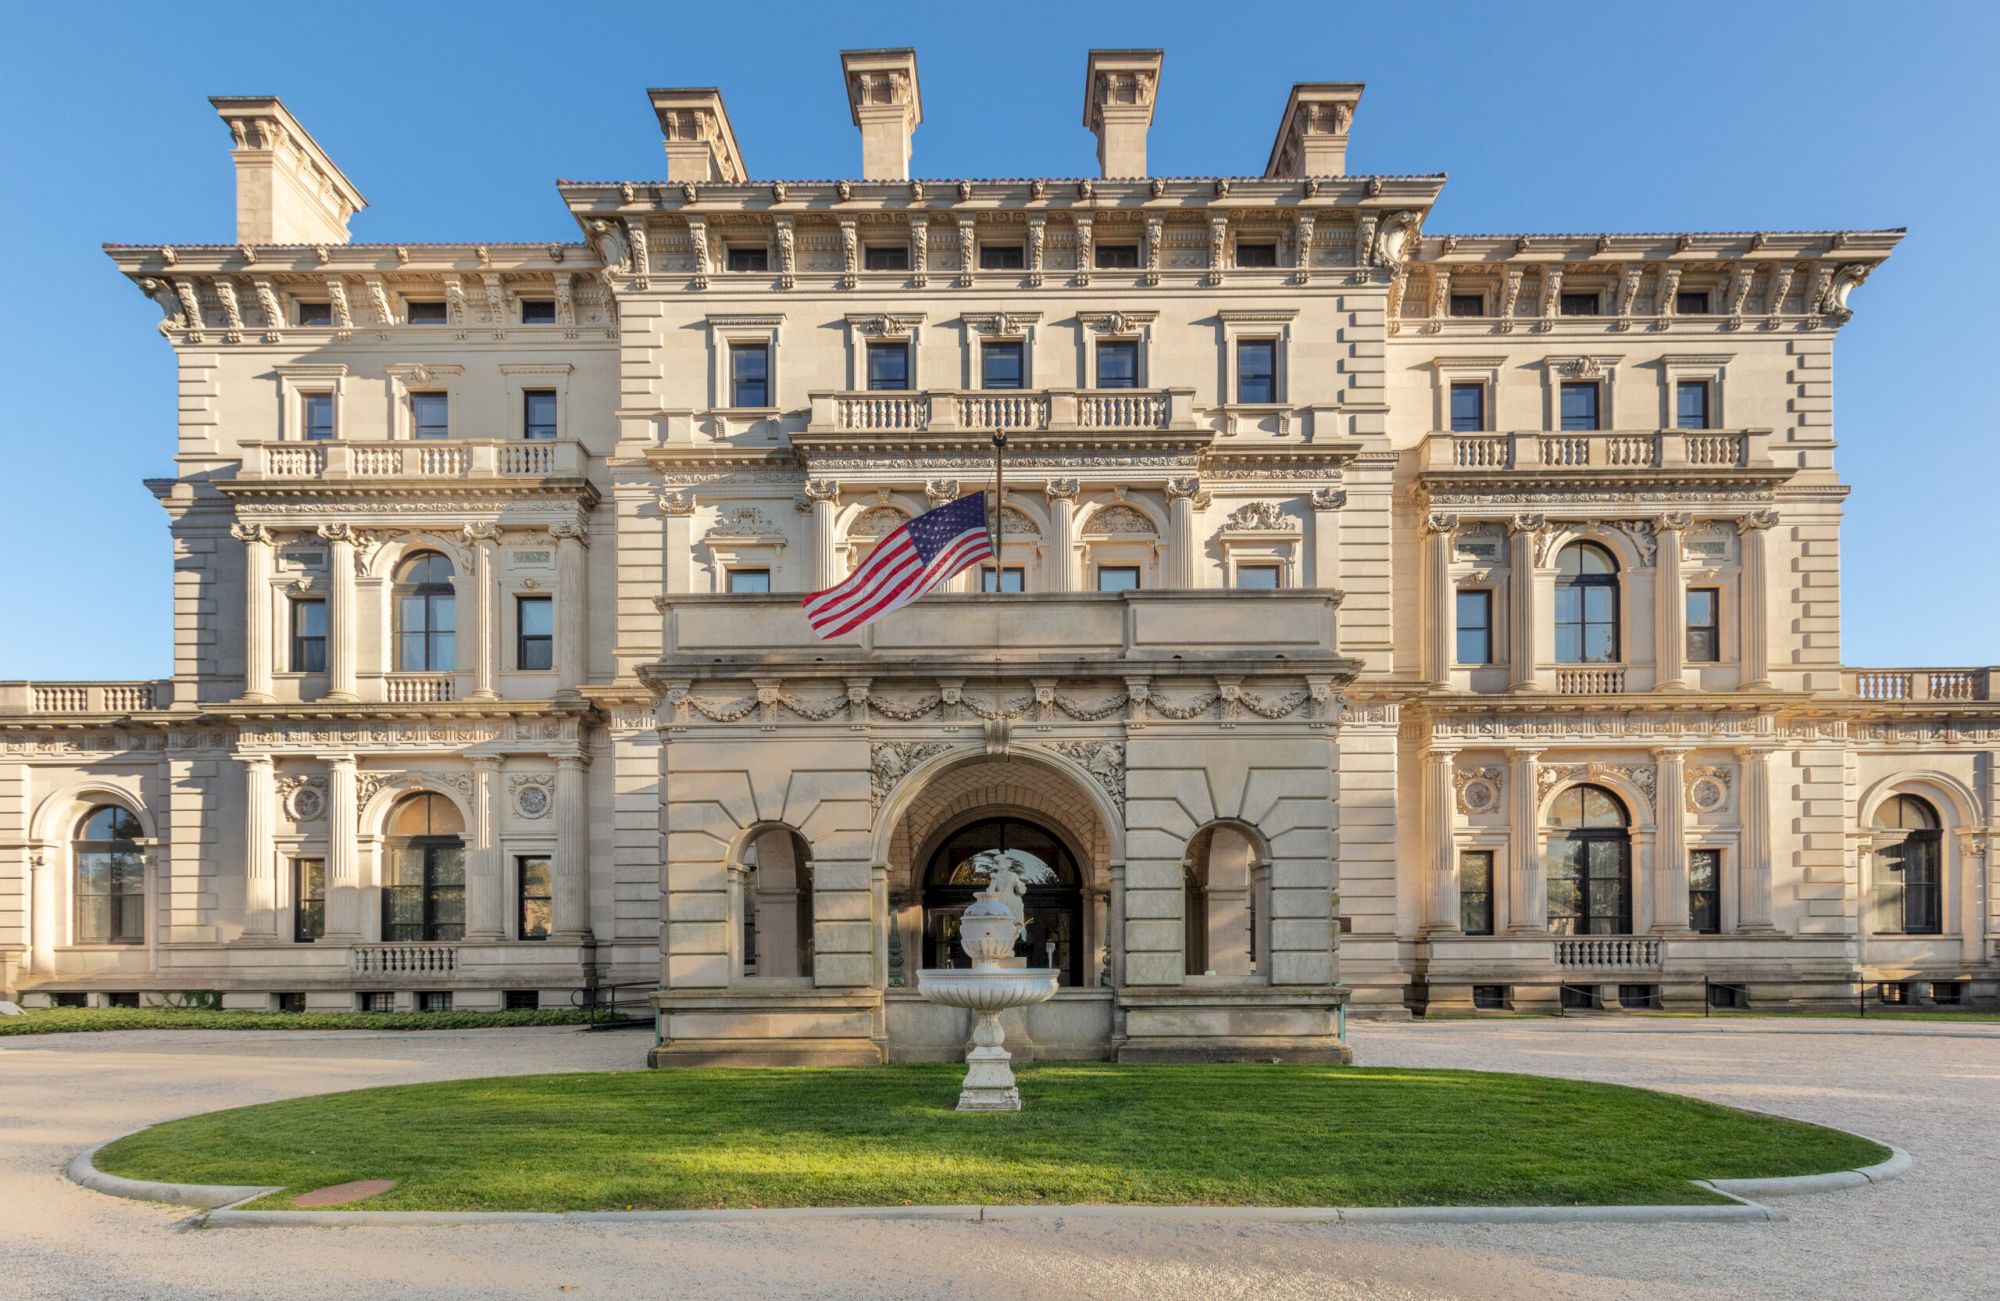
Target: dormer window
[[754, 257], [1002, 257], [425, 312], [886, 257], [315, 314]]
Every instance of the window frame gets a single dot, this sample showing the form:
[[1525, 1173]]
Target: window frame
[[1268, 343], [1099, 570], [1481, 898], [1479, 422], [1484, 630], [1712, 627], [436, 310], [522, 896], [1595, 388], [1682, 297], [886, 252], [1259, 248], [1117, 347], [1568, 299], [117, 913], [761, 252], [308, 907], [1019, 573], [1930, 841], [1583, 583], [886, 348], [1712, 892], [299, 659], [529, 428], [319, 310], [310, 399], [1704, 387], [1117, 249], [1006, 255], [1476, 299], [544, 308], [431, 594], [525, 642], [418, 401], [732, 572], [740, 349], [991, 348], [1274, 568]]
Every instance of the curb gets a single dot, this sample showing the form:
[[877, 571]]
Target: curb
[[218, 1200]]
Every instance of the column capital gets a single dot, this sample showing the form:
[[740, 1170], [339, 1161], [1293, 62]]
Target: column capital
[[572, 760], [1757, 521], [482, 531], [343, 760], [826, 490], [1675, 521], [1753, 752], [488, 762], [1440, 522], [252, 533], [1185, 488], [570, 530], [1527, 524], [1328, 499], [1663, 752], [337, 533], [1442, 749], [256, 760], [1526, 753], [1061, 489]]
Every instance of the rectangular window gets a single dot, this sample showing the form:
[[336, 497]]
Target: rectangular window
[[1705, 891], [535, 640], [750, 374], [1116, 257], [1691, 404], [1475, 891], [376, 1000], [1468, 408], [1691, 302], [1257, 370], [1704, 625], [430, 415], [309, 634], [536, 913], [318, 416], [294, 1002], [434, 1000], [888, 366], [538, 311], [1002, 257], [1579, 405], [425, 313], [1118, 578], [885, 257], [423, 892], [1001, 365], [1256, 255], [521, 1000], [1012, 578], [753, 258], [1579, 305], [1118, 363], [749, 580], [538, 413], [315, 313], [1468, 304], [1475, 627], [308, 899], [1259, 578], [1490, 998]]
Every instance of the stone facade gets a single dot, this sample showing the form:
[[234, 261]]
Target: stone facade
[[1353, 560]]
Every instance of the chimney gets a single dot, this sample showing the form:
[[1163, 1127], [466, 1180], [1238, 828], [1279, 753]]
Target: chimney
[[1119, 87], [1312, 135], [287, 190], [883, 98], [695, 126]]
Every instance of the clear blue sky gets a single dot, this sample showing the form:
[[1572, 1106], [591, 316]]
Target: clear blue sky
[[457, 122]]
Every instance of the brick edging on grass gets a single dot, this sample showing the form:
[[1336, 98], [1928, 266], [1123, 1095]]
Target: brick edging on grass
[[219, 1203]]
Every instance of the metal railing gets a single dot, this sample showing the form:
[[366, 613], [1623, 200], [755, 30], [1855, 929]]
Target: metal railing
[[611, 1006]]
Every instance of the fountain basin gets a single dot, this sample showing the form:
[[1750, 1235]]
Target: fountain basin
[[988, 990]]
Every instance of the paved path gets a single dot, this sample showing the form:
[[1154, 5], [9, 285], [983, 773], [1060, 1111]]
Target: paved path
[[1932, 1233]]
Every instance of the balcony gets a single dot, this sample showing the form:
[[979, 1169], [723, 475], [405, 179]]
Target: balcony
[[81, 697], [1920, 685], [1706, 450], [446, 459], [1025, 410]]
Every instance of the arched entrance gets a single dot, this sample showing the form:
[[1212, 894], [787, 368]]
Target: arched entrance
[[1590, 863], [1054, 902], [423, 890]]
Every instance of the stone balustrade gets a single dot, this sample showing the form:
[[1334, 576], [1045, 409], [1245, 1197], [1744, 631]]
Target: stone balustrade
[[1920, 684], [403, 959], [1652, 449], [932, 411], [1590, 680], [1609, 953], [409, 459], [80, 697], [417, 688]]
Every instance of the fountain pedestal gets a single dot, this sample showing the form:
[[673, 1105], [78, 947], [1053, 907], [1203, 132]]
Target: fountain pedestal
[[987, 932]]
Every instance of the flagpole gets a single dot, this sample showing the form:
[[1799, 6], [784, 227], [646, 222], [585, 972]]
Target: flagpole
[[999, 529]]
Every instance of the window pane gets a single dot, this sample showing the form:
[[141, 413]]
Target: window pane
[[1579, 406], [537, 919], [1475, 884], [315, 314], [749, 259], [1010, 579], [309, 618], [1002, 257], [1468, 407], [750, 374], [1468, 305], [888, 366], [442, 612], [426, 313], [1257, 370], [1579, 305], [1118, 364], [1117, 578], [749, 580], [1000, 365], [538, 311], [1691, 404], [319, 415], [1256, 255], [885, 257], [538, 413], [537, 616], [1475, 624], [1691, 302], [429, 415], [1600, 644], [1117, 257], [1258, 578], [443, 652]]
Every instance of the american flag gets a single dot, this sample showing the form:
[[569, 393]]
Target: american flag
[[910, 561]]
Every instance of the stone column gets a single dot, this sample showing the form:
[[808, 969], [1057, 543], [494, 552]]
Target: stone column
[[1670, 863], [1523, 601], [1753, 873], [1100, 936], [1062, 533], [1752, 529], [1670, 606], [740, 904], [42, 942], [572, 605], [1114, 938], [1441, 891], [485, 888], [1183, 566], [1439, 614], [572, 902], [256, 540], [260, 869], [1528, 901], [878, 911], [343, 856], [341, 633], [824, 496], [485, 540]]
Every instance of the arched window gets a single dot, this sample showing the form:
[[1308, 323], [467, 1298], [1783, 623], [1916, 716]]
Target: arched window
[[1590, 864], [1219, 910], [1053, 906], [778, 906], [1586, 605], [110, 878], [423, 885], [426, 615], [1909, 856]]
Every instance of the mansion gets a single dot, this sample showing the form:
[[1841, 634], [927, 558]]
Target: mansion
[[1384, 620]]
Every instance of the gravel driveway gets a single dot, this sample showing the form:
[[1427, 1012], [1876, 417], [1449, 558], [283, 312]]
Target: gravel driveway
[[1929, 1234]]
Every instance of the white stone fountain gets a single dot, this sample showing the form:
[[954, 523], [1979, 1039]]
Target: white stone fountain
[[987, 932]]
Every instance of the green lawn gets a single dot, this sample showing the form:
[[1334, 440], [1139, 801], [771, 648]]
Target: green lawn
[[1224, 1135], [70, 1020]]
